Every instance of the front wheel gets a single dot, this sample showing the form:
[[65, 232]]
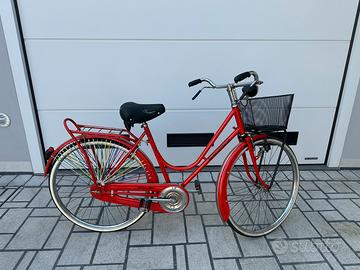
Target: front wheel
[[254, 210]]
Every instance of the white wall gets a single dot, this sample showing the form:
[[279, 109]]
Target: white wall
[[88, 57]]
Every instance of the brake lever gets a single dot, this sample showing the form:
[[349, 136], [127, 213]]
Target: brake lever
[[197, 93]]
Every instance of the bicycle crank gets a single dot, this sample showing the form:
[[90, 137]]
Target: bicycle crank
[[174, 199]]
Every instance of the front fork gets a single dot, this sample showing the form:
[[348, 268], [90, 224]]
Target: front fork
[[250, 145]]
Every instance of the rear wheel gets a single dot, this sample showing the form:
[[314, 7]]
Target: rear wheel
[[254, 210], [70, 184]]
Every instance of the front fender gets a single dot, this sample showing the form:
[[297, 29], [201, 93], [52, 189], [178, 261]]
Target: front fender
[[222, 199]]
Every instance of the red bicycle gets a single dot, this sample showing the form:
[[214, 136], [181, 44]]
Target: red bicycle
[[102, 181]]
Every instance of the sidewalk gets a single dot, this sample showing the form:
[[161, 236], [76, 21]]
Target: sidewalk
[[322, 232]]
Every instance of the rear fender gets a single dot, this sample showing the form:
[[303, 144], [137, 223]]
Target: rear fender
[[222, 199], [121, 139]]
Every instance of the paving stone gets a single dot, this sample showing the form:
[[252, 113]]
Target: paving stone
[[321, 175], [33, 228], [68, 268], [190, 209], [320, 224], [340, 187], [308, 186], [343, 196], [294, 251], [180, 258], [215, 176], [327, 254], [41, 199], [222, 242], [336, 175], [104, 267], [15, 205], [144, 223], [259, 263], [45, 212], [205, 177], [227, 264], [10, 259], [36, 180], [317, 194], [6, 179], [20, 180], [325, 187], [6, 194], [78, 249], [2, 212], [26, 194], [155, 257], [195, 229], [140, 237], [212, 220], [297, 226], [26, 260], [347, 208], [304, 194], [59, 235], [288, 267], [45, 259], [169, 229], [350, 232], [254, 247], [208, 187], [277, 234], [207, 208], [317, 266], [4, 239], [13, 219], [349, 175], [355, 186], [302, 204], [198, 257], [176, 177], [111, 248], [307, 175], [209, 197], [198, 197], [319, 205], [332, 215], [341, 251]]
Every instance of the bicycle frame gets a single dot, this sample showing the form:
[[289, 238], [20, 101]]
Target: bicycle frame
[[202, 160]]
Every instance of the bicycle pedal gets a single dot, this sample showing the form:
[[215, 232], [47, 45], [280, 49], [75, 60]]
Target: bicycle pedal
[[198, 186], [145, 204]]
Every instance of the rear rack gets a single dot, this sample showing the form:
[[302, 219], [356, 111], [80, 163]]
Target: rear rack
[[91, 130]]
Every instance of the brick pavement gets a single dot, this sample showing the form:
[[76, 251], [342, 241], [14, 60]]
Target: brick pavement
[[322, 232]]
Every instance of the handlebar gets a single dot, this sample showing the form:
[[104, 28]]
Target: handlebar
[[249, 88]]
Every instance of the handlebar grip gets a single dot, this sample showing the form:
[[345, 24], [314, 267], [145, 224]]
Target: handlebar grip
[[242, 76], [194, 82]]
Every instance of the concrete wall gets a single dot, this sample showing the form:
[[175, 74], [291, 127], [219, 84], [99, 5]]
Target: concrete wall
[[351, 153], [14, 154]]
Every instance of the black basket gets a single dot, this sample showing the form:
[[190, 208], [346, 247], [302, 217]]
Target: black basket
[[266, 113]]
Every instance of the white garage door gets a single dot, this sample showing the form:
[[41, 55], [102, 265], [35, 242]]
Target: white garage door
[[87, 57]]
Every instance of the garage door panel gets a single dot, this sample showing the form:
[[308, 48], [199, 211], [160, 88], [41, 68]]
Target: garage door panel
[[197, 122], [76, 75], [187, 19]]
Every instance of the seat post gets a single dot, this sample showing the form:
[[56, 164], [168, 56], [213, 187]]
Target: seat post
[[156, 151]]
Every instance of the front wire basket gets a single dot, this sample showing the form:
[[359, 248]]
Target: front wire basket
[[266, 113]]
